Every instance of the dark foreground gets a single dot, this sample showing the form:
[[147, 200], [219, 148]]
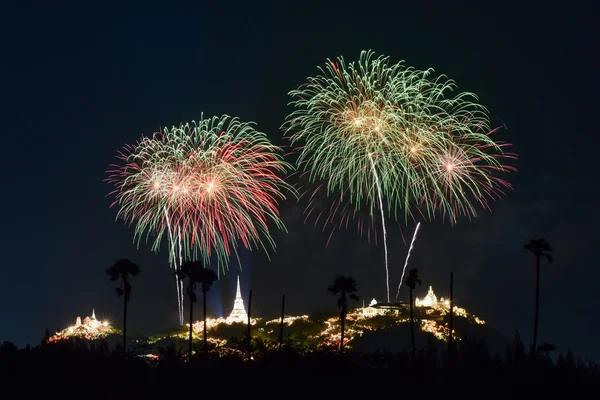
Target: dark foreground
[[76, 365]]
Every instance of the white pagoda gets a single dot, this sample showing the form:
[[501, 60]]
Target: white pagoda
[[429, 301], [238, 313]]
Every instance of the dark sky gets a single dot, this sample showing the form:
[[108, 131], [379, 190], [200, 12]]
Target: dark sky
[[81, 80]]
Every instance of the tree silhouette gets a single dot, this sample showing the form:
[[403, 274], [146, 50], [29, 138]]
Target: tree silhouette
[[346, 287], [196, 273], [411, 281], [46, 336], [546, 348], [206, 278], [67, 364], [170, 356], [123, 270], [539, 248]]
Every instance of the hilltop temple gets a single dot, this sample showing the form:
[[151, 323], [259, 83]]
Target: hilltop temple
[[372, 310], [238, 313], [428, 301], [89, 322], [89, 328]]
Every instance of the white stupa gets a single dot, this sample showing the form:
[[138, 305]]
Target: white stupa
[[429, 301], [238, 313]]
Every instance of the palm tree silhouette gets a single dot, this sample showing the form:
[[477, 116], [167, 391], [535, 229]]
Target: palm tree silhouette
[[346, 287], [411, 281], [206, 277], [123, 269], [196, 273], [539, 248], [546, 348], [170, 356]]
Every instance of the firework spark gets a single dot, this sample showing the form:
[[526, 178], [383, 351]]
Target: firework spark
[[412, 243], [372, 134], [209, 185]]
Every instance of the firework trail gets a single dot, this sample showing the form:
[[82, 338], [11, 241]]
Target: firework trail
[[412, 242], [385, 251], [374, 132], [180, 281], [173, 261], [211, 186]]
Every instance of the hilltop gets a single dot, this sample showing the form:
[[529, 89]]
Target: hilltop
[[379, 327]]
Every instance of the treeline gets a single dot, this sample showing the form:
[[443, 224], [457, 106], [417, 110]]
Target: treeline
[[73, 362]]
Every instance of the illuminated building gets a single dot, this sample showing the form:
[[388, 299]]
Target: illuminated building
[[372, 310], [88, 322], [429, 301], [430, 315], [90, 328], [238, 313]]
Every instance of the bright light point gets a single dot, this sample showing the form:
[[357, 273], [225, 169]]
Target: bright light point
[[176, 188], [156, 185], [377, 128], [369, 154], [185, 190], [449, 167], [413, 149], [356, 121], [105, 323]]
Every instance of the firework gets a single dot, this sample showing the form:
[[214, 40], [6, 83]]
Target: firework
[[207, 185], [376, 135], [412, 243]]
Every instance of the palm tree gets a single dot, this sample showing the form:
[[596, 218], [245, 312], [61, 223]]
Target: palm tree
[[411, 281], [346, 287], [206, 277], [196, 273], [123, 269], [540, 248], [190, 270], [170, 356], [546, 348]]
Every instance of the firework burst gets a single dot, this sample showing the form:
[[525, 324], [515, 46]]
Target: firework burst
[[379, 136], [207, 185]]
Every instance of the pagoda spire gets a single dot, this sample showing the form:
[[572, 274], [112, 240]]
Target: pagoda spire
[[238, 313], [238, 292]]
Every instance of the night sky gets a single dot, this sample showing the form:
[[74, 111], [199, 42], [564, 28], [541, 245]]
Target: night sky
[[79, 81]]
